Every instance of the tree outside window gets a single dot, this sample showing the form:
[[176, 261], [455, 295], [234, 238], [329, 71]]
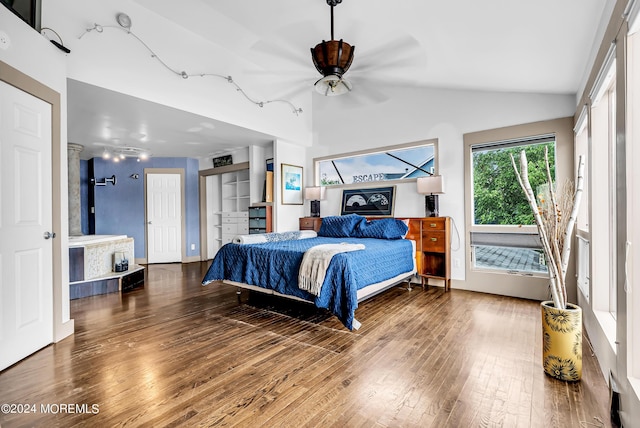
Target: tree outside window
[[498, 198]]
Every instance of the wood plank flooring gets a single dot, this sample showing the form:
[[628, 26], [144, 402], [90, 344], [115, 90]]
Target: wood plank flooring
[[176, 354]]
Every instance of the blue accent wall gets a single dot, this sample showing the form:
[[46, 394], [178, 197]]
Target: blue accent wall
[[119, 209]]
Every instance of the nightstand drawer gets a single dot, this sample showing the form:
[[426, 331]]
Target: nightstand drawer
[[436, 223], [434, 241], [310, 223]]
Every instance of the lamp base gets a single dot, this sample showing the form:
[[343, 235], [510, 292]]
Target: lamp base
[[315, 208], [431, 206]]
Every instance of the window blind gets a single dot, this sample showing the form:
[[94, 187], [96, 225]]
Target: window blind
[[505, 144]]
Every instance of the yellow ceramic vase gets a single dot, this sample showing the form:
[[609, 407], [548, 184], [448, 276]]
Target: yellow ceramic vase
[[562, 341]]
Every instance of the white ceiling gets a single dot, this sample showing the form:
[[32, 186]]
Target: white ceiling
[[101, 119], [542, 46]]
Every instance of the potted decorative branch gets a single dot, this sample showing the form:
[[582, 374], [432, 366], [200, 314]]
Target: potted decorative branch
[[555, 216]]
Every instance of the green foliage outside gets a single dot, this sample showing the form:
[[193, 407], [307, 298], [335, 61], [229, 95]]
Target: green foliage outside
[[324, 181], [498, 198]]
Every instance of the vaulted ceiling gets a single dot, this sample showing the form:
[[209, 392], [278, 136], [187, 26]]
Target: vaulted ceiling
[[542, 46]]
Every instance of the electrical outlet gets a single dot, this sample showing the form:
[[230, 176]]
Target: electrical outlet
[[456, 263], [193, 246]]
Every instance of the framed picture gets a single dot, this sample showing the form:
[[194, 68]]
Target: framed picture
[[222, 161], [291, 185], [368, 202]]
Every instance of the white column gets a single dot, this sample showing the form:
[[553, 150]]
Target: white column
[[75, 216]]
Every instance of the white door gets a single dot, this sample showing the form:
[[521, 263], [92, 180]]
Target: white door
[[164, 218], [26, 264]]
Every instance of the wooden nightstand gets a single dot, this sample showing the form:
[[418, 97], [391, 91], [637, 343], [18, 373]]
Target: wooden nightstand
[[435, 249], [310, 223]]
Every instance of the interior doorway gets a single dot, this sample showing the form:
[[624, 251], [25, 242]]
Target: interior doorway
[[164, 216]]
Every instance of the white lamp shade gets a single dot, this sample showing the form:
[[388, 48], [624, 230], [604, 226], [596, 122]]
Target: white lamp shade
[[433, 184], [332, 85], [314, 193]]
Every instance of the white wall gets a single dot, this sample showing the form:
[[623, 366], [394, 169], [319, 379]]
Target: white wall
[[412, 114], [286, 217], [36, 57]]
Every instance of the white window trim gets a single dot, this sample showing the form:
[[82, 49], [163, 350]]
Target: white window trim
[[606, 74], [632, 252], [608, 325], [581, 123], [632, 13]]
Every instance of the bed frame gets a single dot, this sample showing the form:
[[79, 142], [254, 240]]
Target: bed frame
[[364, 293]]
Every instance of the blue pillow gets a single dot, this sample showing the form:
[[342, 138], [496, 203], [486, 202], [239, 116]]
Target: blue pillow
[[384, 228], [343, 226]]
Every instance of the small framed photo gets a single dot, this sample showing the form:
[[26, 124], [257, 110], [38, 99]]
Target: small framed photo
[[291, 185], [222, 161], [368, 202]]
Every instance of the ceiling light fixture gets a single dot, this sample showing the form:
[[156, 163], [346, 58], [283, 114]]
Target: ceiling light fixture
[[121, 153], [332, 59]]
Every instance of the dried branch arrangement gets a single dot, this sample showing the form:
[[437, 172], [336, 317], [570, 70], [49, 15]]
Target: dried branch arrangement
[[555, 216]]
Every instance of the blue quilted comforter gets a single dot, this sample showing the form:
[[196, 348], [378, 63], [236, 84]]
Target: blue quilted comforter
[[275, 265]]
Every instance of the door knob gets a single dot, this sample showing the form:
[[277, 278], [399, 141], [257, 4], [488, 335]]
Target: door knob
[[149, 222], [49, 235]]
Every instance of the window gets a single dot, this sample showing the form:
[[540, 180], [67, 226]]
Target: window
[[603, 191], [498, 199], [632, 246], [394, 163], [582, 149], [504, 254]]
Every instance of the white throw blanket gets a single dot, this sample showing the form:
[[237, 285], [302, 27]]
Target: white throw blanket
[[260, 238], [315, 262]]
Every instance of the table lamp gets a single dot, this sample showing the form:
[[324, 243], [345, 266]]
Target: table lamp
[[314, 194], [430, 186]]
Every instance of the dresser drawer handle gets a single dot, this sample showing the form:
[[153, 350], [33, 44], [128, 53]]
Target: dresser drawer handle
[[434, 239], [433, 225]]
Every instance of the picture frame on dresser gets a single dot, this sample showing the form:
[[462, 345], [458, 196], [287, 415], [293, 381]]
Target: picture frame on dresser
[[291, 184], [372, 202]]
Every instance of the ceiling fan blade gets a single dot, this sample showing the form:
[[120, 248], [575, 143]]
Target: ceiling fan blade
[[284, 53], [292, 89], [403, 51], [291, 43]]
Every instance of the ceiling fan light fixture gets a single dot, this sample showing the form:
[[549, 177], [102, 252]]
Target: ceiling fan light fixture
[[332, 85], [332, 59]]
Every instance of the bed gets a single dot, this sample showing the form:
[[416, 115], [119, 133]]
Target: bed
[[272, 264]]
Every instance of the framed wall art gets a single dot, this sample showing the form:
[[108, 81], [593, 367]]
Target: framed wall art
[[291, 185], [368, 202], [222, 161]]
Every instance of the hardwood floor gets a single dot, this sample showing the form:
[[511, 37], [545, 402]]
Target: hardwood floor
[[179, 354]]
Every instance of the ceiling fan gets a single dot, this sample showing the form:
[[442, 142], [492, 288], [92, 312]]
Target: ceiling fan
[[379, 64], [332, 59]]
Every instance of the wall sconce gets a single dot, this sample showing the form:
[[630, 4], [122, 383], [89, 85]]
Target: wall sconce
[[104, 181], [134, 176], [314, 194], [430, 186]]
